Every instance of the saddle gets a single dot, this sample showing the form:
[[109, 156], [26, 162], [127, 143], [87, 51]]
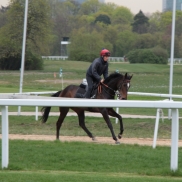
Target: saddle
[[84, 86]]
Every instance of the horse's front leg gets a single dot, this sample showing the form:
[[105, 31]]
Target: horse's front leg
[[113, 113], [81, 116], [109, 124]]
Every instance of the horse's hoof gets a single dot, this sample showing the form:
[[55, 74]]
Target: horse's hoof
[[119, 136], [117, 142], [93, 139]]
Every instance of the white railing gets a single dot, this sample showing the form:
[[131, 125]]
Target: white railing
[[111, 59], [55, 57], [176, 60], [12, 95], [116, 59], [62, 102]]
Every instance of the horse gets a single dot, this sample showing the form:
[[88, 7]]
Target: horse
[[115, 84]]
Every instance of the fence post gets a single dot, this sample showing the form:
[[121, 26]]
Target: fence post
[[174, 139], [156, 127], [5, 140], [36, 112]]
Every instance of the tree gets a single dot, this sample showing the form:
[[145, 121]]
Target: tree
[[62, 24], [85, 46], [140, 24], [180, 46], [154, 22], [108, 8], [3, 16], [125, 42], [178, 26], [90, 7], [144, 41], [38, 30], [103, 18], [166, 20], [121, 15]]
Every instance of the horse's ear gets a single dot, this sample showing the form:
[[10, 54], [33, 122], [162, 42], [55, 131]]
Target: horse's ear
[[125, 75]]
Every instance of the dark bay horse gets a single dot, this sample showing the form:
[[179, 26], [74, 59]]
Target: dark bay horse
[[114, 85]]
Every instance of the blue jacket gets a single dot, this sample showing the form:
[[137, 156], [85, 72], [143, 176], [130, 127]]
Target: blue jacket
[[97, 68]]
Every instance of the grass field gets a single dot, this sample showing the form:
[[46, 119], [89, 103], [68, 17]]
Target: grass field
[[146, 77], [75, 161]]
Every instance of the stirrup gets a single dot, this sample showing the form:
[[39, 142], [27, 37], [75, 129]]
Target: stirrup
[[93, 97], [79, 95]]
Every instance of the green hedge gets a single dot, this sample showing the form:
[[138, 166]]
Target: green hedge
[[32, 62], [156, 55]]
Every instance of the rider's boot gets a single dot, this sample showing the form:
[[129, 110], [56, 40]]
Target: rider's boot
[[87, 94]]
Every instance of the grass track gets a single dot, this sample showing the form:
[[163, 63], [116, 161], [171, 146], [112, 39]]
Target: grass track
[[78, 161], [90, 157], [72, 176]]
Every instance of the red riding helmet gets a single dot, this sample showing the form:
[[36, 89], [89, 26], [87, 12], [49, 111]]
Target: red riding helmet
[[105, 52]]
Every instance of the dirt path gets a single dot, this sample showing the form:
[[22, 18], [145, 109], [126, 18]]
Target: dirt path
[[106, 140]]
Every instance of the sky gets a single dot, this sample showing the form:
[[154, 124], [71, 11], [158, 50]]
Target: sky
[[147, 6]]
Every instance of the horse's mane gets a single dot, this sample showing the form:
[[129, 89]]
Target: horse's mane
[[112, 76]]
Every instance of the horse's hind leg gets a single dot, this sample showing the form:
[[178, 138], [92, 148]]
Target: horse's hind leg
[[63, 113], [113, 113], [81, 117]]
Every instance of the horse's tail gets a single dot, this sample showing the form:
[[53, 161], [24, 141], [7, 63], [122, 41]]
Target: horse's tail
[[46, 110]]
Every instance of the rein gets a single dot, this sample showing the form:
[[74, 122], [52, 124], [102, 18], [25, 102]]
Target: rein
[[100, 88]]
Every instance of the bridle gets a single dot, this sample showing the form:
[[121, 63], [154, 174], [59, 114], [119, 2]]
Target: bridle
[[116, 92]]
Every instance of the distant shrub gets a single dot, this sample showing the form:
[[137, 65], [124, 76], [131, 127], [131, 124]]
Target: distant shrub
[[13, 62], [147, 56], [162, 55], [133, 56], [156, 55], [33, 62]]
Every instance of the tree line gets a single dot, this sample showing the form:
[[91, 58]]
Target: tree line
[[90, 27]]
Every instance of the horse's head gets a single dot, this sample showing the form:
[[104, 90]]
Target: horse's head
[[123, 87], [116, 84]]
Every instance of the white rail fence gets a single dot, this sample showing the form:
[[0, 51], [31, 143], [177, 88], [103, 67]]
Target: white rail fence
[[176, 60], [62, 102], [55, 57], [159, 112], [111, 59], [12, 95]]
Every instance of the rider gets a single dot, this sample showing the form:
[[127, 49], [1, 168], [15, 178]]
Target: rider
[[98, 67]]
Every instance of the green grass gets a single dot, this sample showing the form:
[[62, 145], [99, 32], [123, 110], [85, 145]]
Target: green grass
[[147, 77], [56, 176], [68, 161], [133, 128]]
